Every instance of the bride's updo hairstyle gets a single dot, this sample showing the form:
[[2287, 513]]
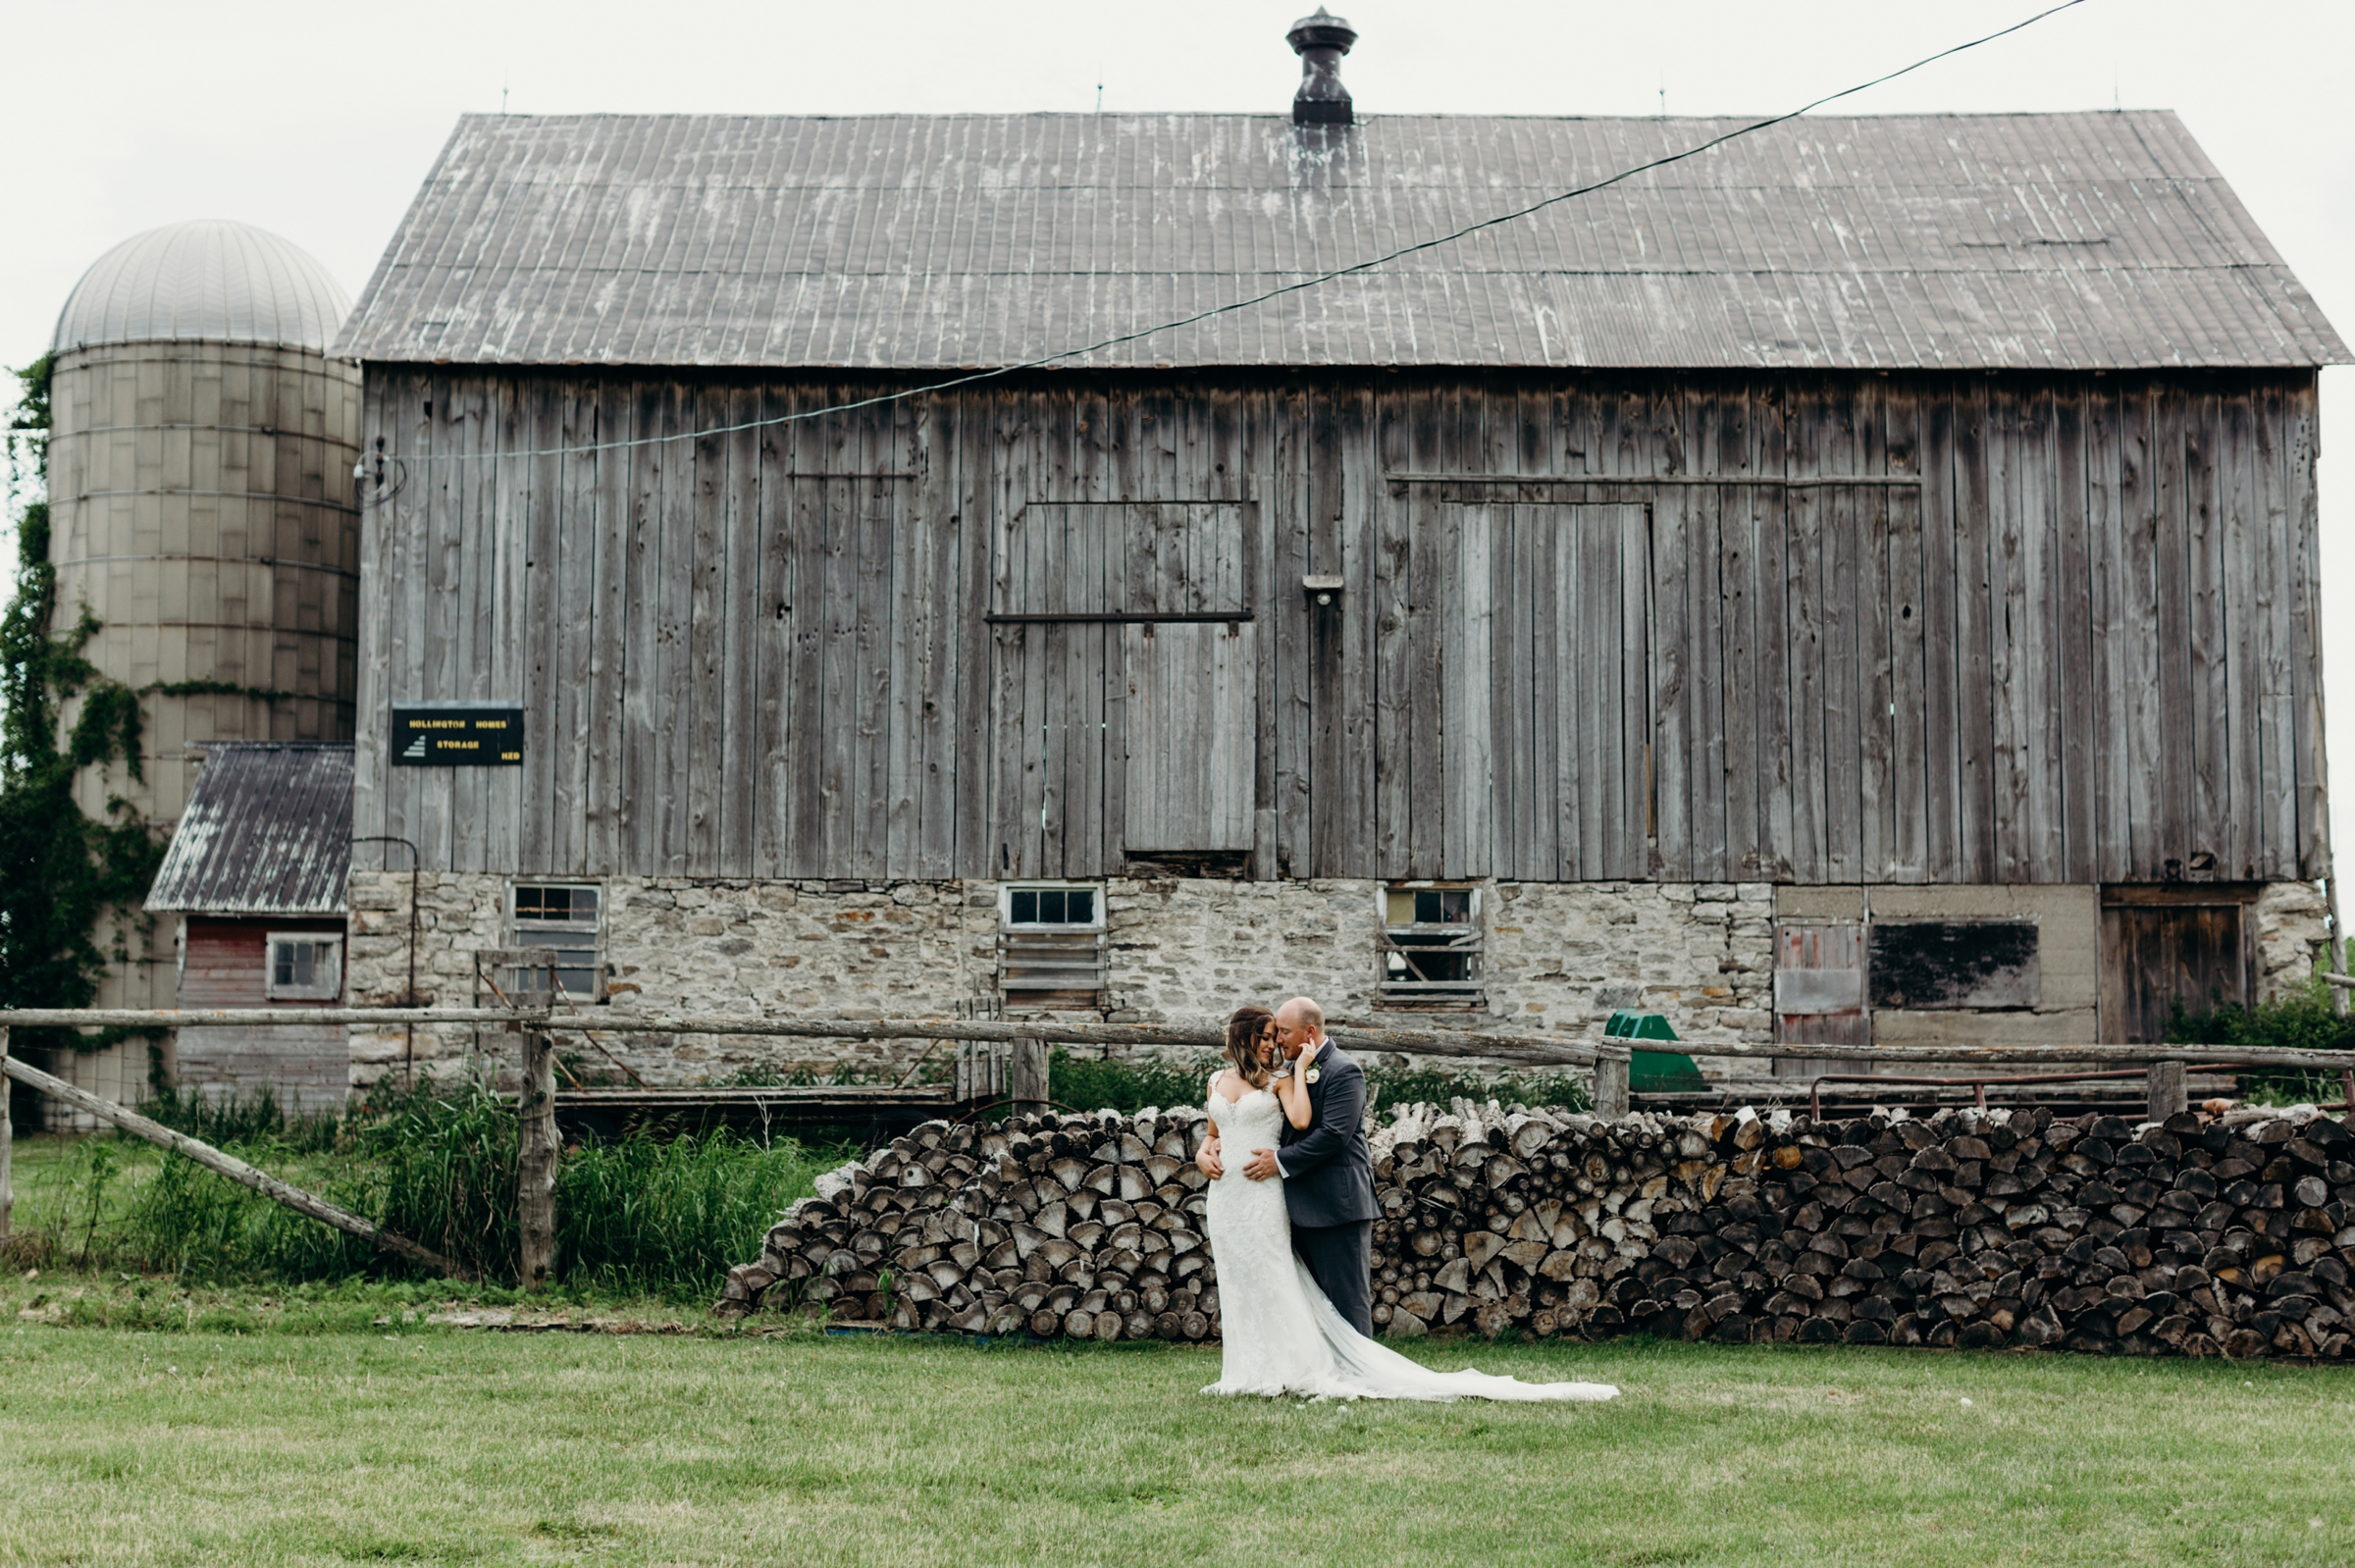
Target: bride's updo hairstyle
[[1245, 1027]]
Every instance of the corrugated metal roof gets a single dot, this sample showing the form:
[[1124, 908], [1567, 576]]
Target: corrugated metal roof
[[209, 281], [2069, 241], [267, 831]]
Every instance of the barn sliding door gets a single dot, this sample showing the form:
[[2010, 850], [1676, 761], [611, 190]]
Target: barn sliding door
[[1123, 715]]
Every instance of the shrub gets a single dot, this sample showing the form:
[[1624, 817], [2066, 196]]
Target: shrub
[[2305, 1018]]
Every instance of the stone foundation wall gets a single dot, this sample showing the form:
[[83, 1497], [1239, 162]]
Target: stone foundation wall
[[2293, 928], [1560, 957]]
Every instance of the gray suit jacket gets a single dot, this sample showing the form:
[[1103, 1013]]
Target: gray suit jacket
[[1328, 1169]]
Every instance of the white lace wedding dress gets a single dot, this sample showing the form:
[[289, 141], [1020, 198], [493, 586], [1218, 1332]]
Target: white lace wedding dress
[[1280, 1335]]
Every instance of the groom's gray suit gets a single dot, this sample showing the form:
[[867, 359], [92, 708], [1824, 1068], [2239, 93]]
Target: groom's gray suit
[[1329, 1186]]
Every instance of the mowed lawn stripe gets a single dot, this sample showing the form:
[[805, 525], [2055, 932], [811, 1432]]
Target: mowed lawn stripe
[[445, 1446]]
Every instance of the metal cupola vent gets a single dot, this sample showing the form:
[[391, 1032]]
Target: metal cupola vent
[[1319, 41]]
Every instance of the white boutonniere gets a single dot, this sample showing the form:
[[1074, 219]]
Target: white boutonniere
[[1313, 1074]]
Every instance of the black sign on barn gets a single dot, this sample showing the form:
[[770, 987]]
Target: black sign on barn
[[457, 734]]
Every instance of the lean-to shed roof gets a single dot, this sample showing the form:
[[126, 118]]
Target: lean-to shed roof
[[913, 242], [267, 831]]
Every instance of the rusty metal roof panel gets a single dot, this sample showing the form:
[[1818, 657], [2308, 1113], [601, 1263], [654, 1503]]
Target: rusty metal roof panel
[[909, 243], [267, 831]]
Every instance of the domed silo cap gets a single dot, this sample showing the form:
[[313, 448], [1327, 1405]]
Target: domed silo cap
[[208, 281]]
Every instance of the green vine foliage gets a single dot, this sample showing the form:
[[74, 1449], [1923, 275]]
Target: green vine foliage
[[60, 873]]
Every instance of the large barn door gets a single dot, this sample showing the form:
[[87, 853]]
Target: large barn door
[[1552, 706], [2165, 946], [1193, 737], [1193, 731], [1123, 703]]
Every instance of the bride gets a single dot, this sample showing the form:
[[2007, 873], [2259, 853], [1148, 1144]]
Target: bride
[[1281, 1334]]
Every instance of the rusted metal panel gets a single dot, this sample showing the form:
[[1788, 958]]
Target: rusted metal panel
[[267, 831], [2047, 242]]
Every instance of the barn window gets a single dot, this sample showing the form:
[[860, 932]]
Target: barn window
[[305, 967], [558, 929], [1051, 945], [1430, 947]]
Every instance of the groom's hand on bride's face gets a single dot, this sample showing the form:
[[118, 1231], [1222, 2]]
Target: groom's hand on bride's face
[[1207, 1161], [1262, 1165]]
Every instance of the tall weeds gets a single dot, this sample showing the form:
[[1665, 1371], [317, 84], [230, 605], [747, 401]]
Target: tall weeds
[[662, 1216]]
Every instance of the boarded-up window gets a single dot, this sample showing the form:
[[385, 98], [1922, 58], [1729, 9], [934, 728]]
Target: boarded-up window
[[1956, 964], [1051, 947], [1431, 948], [1125, 700], [556, 930]]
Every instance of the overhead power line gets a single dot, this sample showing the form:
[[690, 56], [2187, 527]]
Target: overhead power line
[[1297, 286]]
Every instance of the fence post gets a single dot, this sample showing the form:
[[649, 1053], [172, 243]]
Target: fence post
[[536, 1162], [1027, 1075], [7, 1142], [1610, 1083], [2167, 1096]]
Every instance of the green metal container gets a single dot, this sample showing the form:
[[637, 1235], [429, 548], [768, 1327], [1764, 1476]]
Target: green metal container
[[1653, 1072]]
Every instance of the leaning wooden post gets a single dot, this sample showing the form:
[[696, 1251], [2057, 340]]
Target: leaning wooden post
[[536, 1161], [2167, 1096], [1610, 1085], [236, 1170], [8, 1140]]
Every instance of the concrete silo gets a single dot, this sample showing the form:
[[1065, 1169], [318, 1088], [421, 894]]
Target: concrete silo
[[202, 507]]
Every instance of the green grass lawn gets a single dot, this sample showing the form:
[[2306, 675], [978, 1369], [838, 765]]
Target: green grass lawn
[[416, 1445]]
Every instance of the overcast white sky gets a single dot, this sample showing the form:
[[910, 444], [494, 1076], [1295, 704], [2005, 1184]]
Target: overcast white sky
[[318, 121]]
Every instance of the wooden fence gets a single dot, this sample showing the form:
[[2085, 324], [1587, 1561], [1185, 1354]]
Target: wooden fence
[[1021, 1069]]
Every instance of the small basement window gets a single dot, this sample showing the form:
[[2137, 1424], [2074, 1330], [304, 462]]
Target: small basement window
[[559, 927], [1051, 945], [1430, 947], [305, 967]]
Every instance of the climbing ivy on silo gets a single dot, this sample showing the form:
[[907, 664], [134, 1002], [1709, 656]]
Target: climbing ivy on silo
[[60, 871]]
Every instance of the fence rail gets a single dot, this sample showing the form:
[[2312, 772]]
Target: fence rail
[[1535, 1049], [1022, 1075]]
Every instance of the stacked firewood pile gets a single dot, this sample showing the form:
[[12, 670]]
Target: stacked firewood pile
[[1085, 1225], [1968, 1229]]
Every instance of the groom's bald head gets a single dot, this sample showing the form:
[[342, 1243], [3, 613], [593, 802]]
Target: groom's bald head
[[1299, 1025]]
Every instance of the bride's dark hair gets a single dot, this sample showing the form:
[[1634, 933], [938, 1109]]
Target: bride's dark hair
[[1244, 1027]]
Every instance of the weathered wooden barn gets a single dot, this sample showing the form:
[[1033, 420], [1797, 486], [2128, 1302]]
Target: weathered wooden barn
[[1877, 550]]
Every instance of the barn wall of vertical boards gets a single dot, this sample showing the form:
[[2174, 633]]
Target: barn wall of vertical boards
[[1807, 628]]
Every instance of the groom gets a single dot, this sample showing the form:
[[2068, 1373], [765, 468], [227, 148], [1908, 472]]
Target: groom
[[1328, 1172]]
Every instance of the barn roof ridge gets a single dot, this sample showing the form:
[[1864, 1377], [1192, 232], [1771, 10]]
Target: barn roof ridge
[[2087, 239]]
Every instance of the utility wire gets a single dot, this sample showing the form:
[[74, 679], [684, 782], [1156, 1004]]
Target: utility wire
[[1298, 285]]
